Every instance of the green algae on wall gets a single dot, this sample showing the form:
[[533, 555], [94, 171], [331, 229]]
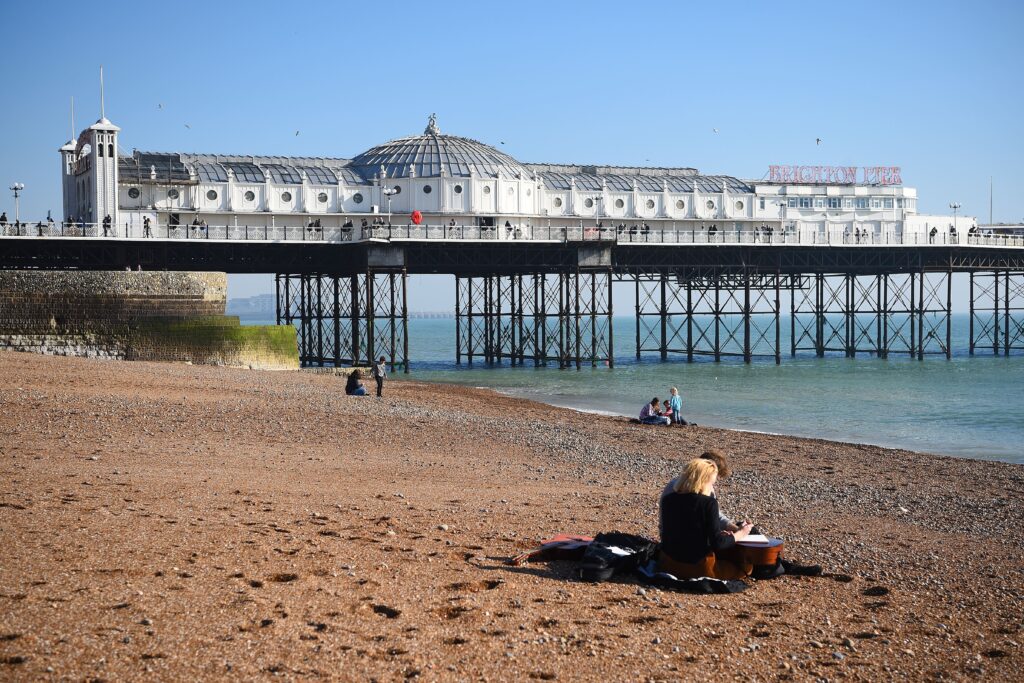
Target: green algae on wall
[[219, 340]]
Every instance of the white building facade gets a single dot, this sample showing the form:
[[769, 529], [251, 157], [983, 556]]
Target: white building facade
[[453, 179]]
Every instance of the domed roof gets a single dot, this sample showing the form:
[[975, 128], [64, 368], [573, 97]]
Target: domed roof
[[431, 154]]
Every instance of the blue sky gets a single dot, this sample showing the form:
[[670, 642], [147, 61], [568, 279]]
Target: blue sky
[[933, 87]]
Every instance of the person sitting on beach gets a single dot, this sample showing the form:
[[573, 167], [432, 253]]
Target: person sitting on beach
[[718, 457], [354, 385], [650, 415], [692, 535], [666, 411]]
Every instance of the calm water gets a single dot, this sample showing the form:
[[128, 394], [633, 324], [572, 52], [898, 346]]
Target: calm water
[[968, 407]]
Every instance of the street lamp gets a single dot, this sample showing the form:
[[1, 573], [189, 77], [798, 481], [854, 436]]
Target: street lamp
[[16, 188], [389, 193], [955, 206], [782, 218]]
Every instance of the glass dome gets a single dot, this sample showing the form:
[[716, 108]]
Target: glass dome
[[433, 154]]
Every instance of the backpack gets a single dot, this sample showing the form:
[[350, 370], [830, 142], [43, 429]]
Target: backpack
[[615, 553]]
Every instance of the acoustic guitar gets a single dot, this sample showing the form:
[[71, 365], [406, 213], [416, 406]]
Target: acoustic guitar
[[760, 553]]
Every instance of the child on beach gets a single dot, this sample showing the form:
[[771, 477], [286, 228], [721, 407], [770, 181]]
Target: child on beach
[[667, 411], [676, 402]]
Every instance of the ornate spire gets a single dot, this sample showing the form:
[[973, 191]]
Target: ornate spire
[[432, 128]]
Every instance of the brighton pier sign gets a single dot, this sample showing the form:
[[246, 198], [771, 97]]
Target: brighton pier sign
[[837, 175]]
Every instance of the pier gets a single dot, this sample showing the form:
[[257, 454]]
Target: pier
[[546, 297]]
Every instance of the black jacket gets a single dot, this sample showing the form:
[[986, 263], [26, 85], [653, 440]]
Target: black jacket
[[691, 527]]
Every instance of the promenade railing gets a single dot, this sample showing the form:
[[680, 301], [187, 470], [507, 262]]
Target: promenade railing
[[653, 235]]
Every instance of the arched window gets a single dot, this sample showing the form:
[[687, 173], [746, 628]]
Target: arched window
[[110, 151], [99, 150]]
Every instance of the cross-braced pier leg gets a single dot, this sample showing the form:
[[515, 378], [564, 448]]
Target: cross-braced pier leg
[[661, 314], [820, 313], [933, 311], [346, 320], [563, 317], [997, 311], [864, 317], [734, 314]]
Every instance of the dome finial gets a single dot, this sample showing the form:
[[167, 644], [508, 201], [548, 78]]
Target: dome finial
[[432, 128]]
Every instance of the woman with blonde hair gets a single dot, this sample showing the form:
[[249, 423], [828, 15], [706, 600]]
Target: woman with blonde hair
[[692, 533]]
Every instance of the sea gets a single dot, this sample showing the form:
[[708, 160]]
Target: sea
[[970, 407]]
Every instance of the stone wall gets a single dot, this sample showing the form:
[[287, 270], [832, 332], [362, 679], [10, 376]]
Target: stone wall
[[104, 302], [135, 316]]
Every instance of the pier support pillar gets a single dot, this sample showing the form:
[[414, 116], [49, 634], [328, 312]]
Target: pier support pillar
[[997, 311], [563, 317], [346, 320]]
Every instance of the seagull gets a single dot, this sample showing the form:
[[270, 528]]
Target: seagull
[[817, 141], [296, 133], [715, 130], [188, 126], [159, 106]]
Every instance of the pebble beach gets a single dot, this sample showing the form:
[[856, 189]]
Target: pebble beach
[[204, 523]]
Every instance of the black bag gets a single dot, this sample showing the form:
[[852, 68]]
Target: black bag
[[615, 553]]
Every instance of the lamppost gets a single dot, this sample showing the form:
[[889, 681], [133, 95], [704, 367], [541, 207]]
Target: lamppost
[[16, 188], [955, 206], [782, 218], [389, 192], [597, 214]]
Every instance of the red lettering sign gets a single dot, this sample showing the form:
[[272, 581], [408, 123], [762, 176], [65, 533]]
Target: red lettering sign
[[835, 175]]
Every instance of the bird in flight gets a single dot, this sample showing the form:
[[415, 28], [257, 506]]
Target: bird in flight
[[817, 141], [296, 133], [159, 106], [715, 130], [188, 126]]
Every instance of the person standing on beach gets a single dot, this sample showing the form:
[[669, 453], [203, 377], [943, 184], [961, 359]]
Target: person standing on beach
[[676, 403], [380, 373]]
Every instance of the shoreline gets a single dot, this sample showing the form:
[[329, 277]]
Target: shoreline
[[207, 523], [609, 413]]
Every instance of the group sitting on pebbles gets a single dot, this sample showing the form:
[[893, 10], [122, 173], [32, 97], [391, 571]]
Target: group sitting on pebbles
[[668, 413]]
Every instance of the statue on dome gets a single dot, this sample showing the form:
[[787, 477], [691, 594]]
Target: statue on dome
[[432, 128]]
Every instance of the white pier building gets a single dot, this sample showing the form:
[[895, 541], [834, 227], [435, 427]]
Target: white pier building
[[456, 180]]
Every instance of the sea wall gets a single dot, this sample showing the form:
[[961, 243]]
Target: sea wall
[[135, 316]]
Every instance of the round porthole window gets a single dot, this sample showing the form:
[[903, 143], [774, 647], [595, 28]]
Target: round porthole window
[[558, 201], [588, 203], [397, 189], [250, 196], [286, 196], [211, 195], [680, 204], [458, 189], [739, 206], [357, 198], [619, 203], [427, 189], [172, 193], [650, 203], [710, 204], [487, 189], [322, 197], [133, 193]]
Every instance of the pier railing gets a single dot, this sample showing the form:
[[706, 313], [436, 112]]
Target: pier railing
[[654, 235]]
